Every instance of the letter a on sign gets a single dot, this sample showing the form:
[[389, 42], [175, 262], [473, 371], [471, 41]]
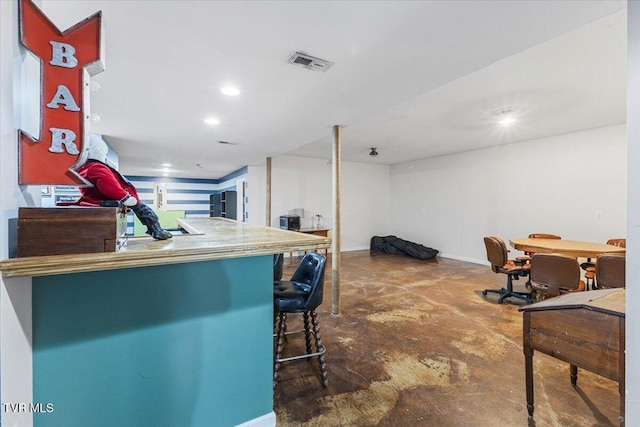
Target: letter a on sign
[[67, 59]]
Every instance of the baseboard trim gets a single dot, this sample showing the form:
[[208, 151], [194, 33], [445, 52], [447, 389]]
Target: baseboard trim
[[267, 420], [356, 248], [459, 258]]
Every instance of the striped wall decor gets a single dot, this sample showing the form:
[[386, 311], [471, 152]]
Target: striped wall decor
[[183, 194]]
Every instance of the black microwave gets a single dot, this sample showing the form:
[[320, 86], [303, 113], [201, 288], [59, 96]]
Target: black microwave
[[290, 222]]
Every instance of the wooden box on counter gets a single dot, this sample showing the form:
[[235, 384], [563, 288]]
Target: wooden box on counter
[[70, 230]]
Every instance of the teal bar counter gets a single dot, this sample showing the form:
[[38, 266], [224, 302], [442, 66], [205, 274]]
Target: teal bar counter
[[162, 333]]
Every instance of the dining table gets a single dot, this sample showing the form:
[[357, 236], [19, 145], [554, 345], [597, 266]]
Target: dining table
[[572, 248]]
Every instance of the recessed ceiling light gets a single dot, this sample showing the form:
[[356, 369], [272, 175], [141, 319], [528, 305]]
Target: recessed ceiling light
[[230, 91], [507, 118], [507, 121], [166, 165], [212, 121]]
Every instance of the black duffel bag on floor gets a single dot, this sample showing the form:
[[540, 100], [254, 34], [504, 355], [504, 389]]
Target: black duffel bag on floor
[[398, 246]]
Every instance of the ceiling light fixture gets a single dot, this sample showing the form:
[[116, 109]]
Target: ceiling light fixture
[[374, 152], [212, 121], [230, 91], [507, 118]]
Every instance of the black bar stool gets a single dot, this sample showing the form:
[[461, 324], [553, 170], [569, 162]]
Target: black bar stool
[[301, 294]]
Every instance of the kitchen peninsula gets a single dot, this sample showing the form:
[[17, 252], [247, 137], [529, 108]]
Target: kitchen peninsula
[[161, 333]]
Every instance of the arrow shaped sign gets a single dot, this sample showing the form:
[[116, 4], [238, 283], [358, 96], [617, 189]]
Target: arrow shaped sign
[[67, 59]]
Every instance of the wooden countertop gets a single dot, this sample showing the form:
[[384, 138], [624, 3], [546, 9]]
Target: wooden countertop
[[217, 238]]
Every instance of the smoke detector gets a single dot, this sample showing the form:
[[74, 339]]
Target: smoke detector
[[309, 62]]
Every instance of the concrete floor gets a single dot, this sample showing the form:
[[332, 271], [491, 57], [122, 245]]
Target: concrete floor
[[416, 344]]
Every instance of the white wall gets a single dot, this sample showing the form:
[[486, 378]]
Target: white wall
[[256, 182], [572, 185], [8, 139], [15, 294], [633, 222], [301, 182]]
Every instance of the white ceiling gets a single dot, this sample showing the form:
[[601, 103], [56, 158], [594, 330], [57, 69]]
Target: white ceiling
[[412, 78]]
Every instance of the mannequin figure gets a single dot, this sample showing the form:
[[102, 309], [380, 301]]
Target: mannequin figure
[[109, 184]]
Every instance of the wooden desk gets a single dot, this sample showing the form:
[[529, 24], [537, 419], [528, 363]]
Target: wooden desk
[[323, 232], [585, 329], [571, 248]]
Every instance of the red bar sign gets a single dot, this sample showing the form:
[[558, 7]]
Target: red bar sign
[[67, 59]]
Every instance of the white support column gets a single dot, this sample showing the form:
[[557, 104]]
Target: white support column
[[335, 238], [268, 206]]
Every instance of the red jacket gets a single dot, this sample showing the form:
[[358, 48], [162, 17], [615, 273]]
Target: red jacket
[[108, 184]]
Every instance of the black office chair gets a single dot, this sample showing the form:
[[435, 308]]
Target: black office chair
[[497, 254], [302, 294], [278, 266]]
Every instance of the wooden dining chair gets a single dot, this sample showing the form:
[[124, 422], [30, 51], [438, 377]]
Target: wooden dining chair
[[528, 254], [611, 271], [590, 267], [497, 255], [554, 274], [541, 236]]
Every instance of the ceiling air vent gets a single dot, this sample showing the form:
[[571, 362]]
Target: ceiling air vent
[[309, 62]]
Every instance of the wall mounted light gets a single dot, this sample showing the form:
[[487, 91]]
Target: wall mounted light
[[373, 152]]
